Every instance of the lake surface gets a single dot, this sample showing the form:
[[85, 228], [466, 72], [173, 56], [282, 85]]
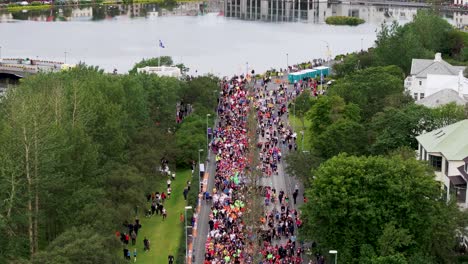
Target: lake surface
[[222, 39]]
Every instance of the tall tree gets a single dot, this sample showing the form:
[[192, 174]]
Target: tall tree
[[392, 205]]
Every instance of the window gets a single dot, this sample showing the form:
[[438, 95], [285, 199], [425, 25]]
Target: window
[[421, 95], [420, 83], [415, 95], [446, 167], [435, 162]]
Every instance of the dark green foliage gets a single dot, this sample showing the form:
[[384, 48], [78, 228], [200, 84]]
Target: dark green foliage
[[344, 20], [369, 88], [426, 35], [85, 147], [380, 210]]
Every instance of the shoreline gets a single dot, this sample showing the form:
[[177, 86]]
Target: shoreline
[[52, 6]]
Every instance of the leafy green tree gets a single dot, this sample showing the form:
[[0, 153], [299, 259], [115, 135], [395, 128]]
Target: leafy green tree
[[369, 88], [431, 29], [397, 45], [78, 246], [301, 164], [394, 128], [354, 62], [302, 105], [448, 114], [390, 204], [329, 109], [342, 136]]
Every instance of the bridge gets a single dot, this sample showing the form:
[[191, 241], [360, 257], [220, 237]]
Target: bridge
[[16, 68]]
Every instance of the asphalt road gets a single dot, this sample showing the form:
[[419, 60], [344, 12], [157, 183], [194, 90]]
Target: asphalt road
[[282, 181]]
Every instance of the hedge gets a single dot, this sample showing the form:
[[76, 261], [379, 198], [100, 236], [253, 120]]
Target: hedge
[[344, 20]]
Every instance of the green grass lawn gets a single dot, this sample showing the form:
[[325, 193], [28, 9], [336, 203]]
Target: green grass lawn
[[164, 236], [297, 126]]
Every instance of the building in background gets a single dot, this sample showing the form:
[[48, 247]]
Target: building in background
[[161, 71], [431, 76], [446, 149]]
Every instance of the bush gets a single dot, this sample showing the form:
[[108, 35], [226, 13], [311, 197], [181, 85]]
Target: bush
[[344, 20]]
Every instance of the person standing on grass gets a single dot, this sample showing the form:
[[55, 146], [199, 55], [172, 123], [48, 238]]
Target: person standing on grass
[[169, 190], [170, 258], [185, 193], [181, 217], [134, 254], [146, 243], [134, 236], [168, 183], [164, 213]]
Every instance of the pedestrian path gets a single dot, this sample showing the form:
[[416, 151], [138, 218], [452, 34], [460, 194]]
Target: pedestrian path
[[164, 235]]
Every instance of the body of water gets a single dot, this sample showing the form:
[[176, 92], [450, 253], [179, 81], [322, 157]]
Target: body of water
[[222, 39]]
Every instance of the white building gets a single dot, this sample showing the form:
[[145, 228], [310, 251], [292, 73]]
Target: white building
[[161, 71], [430, 76], [446, 149], [460, 20], [460, 2]]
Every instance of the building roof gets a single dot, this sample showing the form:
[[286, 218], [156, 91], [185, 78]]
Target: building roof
[[421, 68], [443, 97], [451, 141]]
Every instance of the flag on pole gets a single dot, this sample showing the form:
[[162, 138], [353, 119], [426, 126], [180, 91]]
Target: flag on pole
[[161, 44]]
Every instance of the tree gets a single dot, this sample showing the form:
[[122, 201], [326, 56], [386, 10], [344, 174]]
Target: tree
[[302, 105], [397, 45], [328, 110], [369, 88], [391, 204], [342, 136], [301, 164], [394, 128]]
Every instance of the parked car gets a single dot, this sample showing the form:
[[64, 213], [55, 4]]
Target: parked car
[[24, 3]]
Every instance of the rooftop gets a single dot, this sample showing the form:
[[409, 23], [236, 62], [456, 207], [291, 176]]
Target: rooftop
[[451, 141], [421, 67], [443, 97]]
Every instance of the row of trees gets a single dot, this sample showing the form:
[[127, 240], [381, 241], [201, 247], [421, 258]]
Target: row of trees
[[398, 45], [369, 198], [78, 152]]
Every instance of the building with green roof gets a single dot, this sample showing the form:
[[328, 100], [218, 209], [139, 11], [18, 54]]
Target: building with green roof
[[446, 149]]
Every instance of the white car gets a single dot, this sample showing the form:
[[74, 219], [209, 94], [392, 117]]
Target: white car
[[24, 3]]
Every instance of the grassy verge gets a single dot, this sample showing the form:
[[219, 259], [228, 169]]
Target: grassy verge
[[192, 200], [297, 126], [165, 236], [28, 7], [344, 20]]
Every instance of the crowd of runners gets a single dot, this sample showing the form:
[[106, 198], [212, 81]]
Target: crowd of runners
[[230, 238]]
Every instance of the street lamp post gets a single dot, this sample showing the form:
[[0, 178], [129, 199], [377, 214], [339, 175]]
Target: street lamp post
[[199, 182], [287, 60], [186, 239], [302, 132], [207, 149], [65, 57], [361, 45], [334, 252], [0, 53]]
